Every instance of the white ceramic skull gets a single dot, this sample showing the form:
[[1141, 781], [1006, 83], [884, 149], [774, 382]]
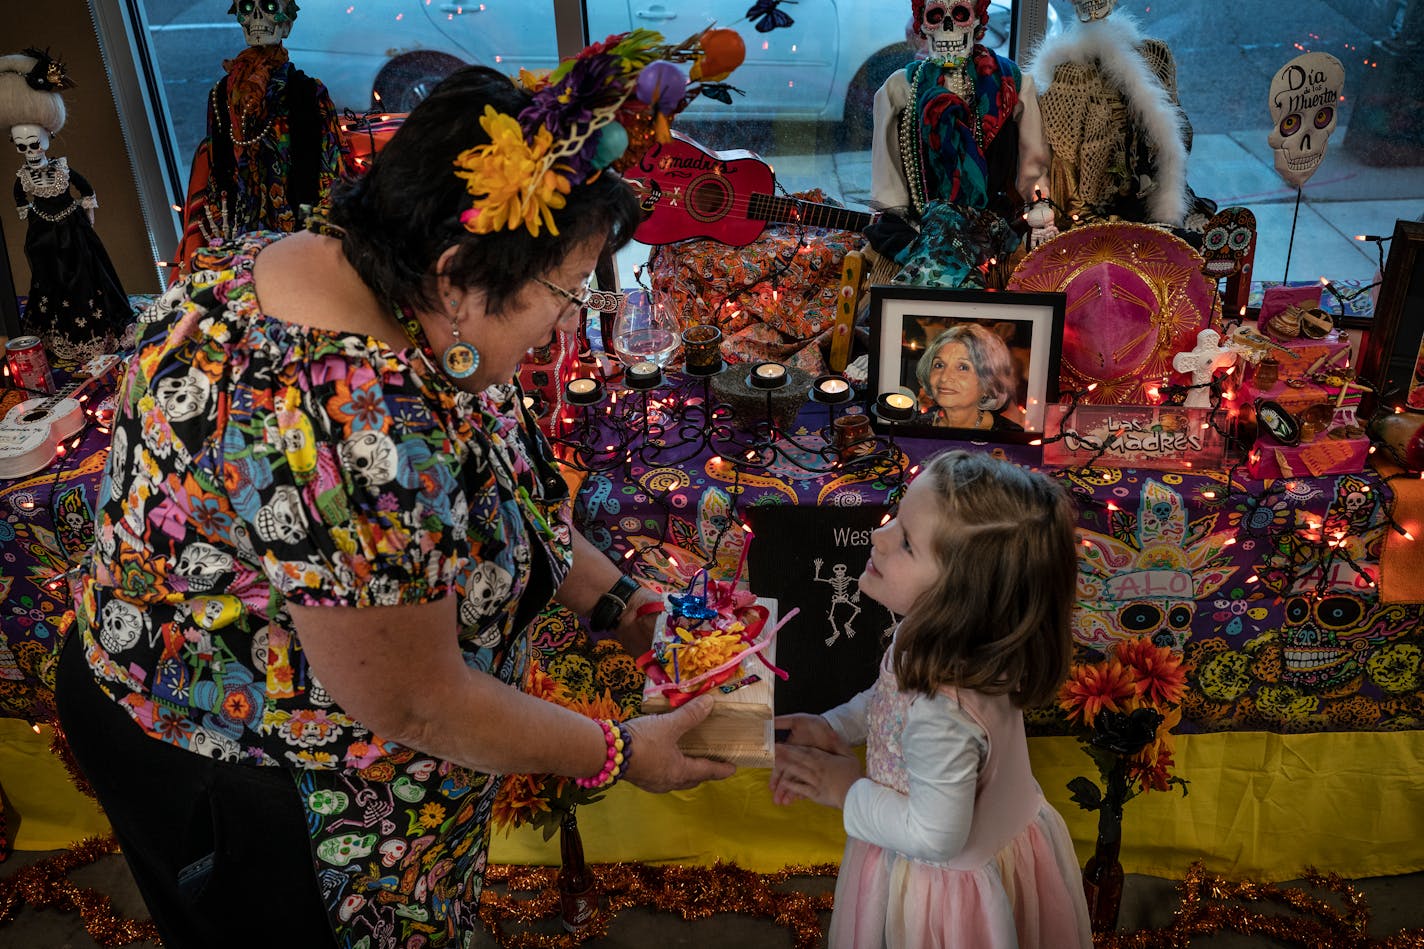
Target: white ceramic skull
[[265, 22], [282, 518], [1090, 10], [948, 29], [1304, 104], [32, 142]]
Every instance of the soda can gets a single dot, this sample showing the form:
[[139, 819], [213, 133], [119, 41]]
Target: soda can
[[29, 366]]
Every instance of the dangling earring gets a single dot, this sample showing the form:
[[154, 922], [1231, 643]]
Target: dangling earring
[[461, 359]]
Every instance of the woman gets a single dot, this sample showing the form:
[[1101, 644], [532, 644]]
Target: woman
[[325, 526], [968, 376]]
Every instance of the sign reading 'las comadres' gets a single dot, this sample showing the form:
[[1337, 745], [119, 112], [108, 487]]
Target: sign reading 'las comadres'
[[1138, 436]]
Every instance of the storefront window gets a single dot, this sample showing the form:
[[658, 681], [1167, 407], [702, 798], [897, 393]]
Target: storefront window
[[807, 86]]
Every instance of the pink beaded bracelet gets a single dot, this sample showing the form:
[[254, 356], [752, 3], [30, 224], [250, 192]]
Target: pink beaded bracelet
[[620, 748]]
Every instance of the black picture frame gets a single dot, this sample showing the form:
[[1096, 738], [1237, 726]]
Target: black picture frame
[[1392, 356], [904, 320]]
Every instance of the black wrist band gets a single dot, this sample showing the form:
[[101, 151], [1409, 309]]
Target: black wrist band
[[609, 608]]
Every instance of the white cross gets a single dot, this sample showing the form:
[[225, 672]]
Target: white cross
[[1201, 363]]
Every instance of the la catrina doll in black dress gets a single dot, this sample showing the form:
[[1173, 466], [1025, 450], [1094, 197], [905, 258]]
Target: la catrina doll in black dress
[[76, 304]]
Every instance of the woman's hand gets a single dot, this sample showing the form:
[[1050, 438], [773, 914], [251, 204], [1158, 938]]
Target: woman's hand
[[657, 764], [801, 771], [639, 621]]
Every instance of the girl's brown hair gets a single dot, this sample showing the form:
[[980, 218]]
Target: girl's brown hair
[[998, 619]]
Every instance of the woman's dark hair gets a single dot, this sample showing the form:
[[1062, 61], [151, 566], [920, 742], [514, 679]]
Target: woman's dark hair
[[401, 215]]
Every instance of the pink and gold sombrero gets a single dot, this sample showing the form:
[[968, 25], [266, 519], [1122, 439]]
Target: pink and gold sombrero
[[1136, 296]]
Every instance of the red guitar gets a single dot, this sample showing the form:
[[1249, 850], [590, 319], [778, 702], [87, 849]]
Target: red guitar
[[689, 191]]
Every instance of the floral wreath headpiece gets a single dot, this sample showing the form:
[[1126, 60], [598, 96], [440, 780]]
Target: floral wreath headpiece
[[586, 115]]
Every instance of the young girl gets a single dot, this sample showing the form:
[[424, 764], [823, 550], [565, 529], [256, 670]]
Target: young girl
[[950, 840]]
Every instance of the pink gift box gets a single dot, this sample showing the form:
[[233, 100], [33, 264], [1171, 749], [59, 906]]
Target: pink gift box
[[1303, 353], [1275, 299], [1321, 456]]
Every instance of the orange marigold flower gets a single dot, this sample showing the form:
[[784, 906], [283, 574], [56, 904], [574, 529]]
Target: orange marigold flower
[[601, 706], [540, 684], [1092, 688], [1161, 677]]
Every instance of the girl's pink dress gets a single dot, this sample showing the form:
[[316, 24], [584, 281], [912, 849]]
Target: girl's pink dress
[[1014, 883]]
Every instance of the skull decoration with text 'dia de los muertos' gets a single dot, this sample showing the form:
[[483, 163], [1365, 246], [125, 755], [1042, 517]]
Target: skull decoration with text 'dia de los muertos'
[[949, 30], [1305, 96], [1090, 10], [265, 22]]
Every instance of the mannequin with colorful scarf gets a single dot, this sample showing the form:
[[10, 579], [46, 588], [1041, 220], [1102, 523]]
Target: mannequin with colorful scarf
[[958, 144], [273, 143]]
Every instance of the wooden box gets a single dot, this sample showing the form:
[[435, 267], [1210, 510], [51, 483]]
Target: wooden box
[[739, 728]]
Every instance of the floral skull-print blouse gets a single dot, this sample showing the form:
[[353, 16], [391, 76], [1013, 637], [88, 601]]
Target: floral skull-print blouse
[[257, 463]]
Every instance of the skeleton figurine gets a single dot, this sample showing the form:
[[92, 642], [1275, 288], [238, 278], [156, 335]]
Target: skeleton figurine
[[1304, 104], [958, 146], [273, 144], [76, 303], [844, 592], [1118, 136]]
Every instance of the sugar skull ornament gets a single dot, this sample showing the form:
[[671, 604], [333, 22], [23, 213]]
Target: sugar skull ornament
[[264, 22], [949, 29], [1229, 242], [1304, 106]]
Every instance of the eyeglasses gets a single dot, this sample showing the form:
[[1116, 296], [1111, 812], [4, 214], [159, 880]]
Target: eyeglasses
[[579, 299]]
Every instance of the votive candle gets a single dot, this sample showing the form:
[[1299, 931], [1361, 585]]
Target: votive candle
[[896, 407], [767, 375], [643, 375], [832, 389], [702, 348], [583, 391]]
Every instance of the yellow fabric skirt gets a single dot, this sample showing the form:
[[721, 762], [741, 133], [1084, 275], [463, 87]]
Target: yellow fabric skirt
[[1259, 806]]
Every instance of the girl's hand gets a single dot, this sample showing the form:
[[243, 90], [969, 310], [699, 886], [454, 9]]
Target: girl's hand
[[802, 771], [657, 764], [811, 730]]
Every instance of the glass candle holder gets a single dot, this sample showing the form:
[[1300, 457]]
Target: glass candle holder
[[643, 375], [767, 375], [852, 436], [702, 349], [895, 407]]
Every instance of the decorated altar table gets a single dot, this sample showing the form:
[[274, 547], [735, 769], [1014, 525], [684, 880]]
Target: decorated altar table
[[1300, 733]]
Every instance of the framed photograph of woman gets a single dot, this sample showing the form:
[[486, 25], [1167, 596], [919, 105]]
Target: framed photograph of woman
[[964, 364]]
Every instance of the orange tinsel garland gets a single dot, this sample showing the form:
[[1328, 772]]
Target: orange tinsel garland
[[1209, 903], [46, 885]]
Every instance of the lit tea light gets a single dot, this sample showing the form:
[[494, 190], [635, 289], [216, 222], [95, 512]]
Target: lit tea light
[[643, 375], [583, 391], [831, 389], [767, 375], [895, 407]]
